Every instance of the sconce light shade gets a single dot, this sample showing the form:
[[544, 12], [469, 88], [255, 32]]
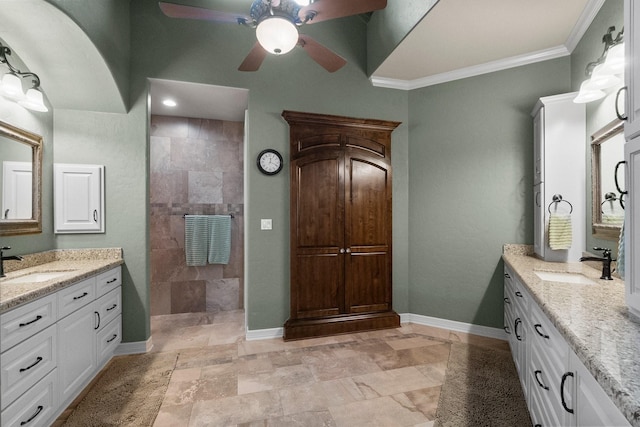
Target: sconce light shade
[[601, 80], [587, 95], [34, 100], [11, 87], [277, 35], [614, 62]]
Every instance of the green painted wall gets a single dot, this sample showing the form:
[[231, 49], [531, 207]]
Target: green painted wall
[[470, 186]]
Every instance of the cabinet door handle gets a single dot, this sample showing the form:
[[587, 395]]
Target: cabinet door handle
[[536, 373], [620, 116], [98, 320], [38, 317], [112, 307], [615, 176], [515, 328], [113, 337], [95, 215], [537, 199], [81, 296], [538, 328], [564, 403], [38, 360], [40, 408]]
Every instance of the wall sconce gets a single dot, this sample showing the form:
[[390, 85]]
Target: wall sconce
[[11, 85], [603, 72]]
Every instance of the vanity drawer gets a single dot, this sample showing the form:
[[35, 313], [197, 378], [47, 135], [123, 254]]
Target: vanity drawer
[[21, 323], [108, 307], [547, 338], [27, 363], [74, 297], [108, 340], [35, 407], [108, 280]]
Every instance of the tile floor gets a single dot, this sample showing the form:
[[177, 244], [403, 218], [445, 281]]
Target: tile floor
[[382, 378]]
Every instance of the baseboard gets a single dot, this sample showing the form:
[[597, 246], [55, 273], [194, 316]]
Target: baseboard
[[264, 334], [453, 325], [136, 347], [483, 331]]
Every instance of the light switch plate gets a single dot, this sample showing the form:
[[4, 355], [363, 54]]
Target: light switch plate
[[266, 224]]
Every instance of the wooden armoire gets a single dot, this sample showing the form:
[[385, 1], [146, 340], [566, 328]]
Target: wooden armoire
[[340, 225]]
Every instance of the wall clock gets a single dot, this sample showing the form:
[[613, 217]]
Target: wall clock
[[269, 162]]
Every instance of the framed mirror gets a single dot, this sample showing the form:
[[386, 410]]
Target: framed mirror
[[20, 181], [607, 180]]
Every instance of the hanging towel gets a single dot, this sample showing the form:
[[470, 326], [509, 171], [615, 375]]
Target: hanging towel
[[620, 260], [560, 235], [219, 239], [196, 239]]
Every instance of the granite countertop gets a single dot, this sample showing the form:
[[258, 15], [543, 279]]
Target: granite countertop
[[594, 321], [77, 264]]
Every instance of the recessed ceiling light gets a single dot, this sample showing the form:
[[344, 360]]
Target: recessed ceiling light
[[169, 102], [303, 2]]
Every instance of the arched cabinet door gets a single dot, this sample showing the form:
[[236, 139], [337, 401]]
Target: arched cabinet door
[[340, 225]]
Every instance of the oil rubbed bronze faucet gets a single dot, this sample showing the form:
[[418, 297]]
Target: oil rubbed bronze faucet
[[6, 258], [606, 262]]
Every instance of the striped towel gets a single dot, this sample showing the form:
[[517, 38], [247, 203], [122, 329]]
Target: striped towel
[[219, 239], [620, 260], [196, 239], [560, 234]]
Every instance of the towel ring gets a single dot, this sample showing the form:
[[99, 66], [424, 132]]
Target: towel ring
[[557, 198], [609, 197]]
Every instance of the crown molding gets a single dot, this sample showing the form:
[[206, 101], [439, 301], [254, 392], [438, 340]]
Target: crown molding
[[586, 17]]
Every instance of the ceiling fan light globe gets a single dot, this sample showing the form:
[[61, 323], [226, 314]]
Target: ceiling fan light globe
[[277, 35]]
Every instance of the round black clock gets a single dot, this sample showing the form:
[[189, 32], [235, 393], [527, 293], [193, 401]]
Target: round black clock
[[269, 162]]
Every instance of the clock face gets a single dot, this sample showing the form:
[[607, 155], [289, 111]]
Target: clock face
[[269, 162]]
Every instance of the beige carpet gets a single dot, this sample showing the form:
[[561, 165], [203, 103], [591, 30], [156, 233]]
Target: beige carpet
[[129, 392], [481, 388]]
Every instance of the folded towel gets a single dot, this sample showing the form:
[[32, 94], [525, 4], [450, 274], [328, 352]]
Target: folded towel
[[196, 239], [560, 233], [219, 239], [613, 219], [620, 260]]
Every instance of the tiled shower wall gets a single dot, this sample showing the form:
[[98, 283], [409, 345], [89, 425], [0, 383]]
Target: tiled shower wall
[[196, 167]]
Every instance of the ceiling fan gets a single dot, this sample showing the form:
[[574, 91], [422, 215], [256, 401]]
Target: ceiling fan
[[276, 22]]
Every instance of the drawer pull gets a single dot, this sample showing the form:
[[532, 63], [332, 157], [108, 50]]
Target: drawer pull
[[538, 327], [564, 404], [507, 300], [507, 275], [112, 338], [81, 296], [112, 280], [40, 408], [515, 328], [518, 294], [536, 373], [38, 317], [506, 329], [112, 307], [38, 360]]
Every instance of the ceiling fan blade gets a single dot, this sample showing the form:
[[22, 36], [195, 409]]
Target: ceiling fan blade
[[323, 10], [322, 55], [174, 10], [254, 59]]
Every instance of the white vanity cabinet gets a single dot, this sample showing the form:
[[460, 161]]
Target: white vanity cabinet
[[559, 389], [516, 322], [632, 68], [78, 198], [632, 226], [559, 169], [54, 346]]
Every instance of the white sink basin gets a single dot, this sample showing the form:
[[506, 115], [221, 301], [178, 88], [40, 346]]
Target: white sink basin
[[551, 276], [37, 277]]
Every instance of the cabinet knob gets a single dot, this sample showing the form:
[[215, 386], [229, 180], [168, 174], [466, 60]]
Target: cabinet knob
[[341, 250], [348, 250]]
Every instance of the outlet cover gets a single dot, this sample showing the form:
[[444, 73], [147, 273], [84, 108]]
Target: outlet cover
[[266, 224]]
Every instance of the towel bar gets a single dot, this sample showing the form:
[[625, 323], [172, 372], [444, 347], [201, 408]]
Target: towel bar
[[557, 198]]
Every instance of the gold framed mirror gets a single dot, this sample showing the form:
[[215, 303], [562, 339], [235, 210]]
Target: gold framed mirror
[[20, 182], [607, 194]]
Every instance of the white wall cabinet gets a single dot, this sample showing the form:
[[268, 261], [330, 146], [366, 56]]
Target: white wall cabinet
[[632, 67], [54, 346], [559, 389], [78, 198], [559, 168]]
